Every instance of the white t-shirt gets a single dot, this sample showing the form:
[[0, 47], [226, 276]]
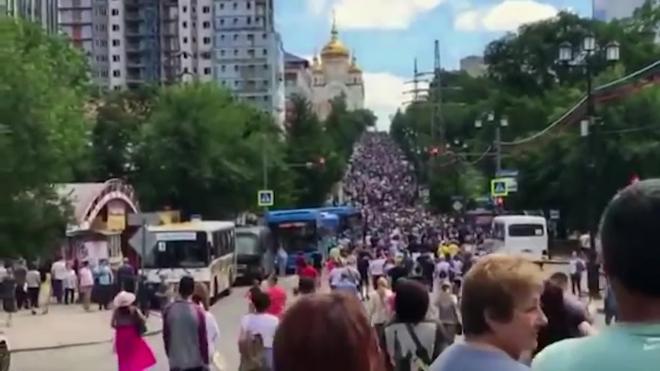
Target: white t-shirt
[[573, 265], [442, 266], [71, 280], [335, 275], [59, 270], [263, 324], [377, 267], [212, 331]]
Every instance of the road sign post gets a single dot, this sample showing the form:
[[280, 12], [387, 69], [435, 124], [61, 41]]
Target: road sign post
[[265, 198], [143, 239]]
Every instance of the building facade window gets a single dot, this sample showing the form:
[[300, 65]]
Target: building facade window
[[115, 58], [115, 42], [116, 73], [114, 11], [115, 27]]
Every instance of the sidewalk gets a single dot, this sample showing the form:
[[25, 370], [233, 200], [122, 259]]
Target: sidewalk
[[64, 326]]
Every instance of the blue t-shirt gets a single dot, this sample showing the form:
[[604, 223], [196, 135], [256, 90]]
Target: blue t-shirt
[[619, 347], [466, 357]]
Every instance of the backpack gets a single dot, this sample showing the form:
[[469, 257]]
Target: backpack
[[420, 359], [253, 356]]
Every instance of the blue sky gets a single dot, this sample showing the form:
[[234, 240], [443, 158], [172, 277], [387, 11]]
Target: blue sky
[[387, 35]]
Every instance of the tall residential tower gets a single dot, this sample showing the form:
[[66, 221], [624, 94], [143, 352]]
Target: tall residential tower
[[249, 57]]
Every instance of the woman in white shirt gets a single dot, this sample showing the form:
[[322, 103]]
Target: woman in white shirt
[[201, 297]]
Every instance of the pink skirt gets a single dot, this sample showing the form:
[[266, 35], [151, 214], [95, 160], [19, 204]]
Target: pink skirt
[[133, 353]]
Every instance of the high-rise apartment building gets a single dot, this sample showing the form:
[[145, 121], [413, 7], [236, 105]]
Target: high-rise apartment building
[[133, 42], [606, 10], [297, 81], [42, 12], [474, 65], [249, 57]]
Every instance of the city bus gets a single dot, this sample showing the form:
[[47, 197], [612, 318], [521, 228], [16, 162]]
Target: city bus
[[255, 252], [520, 235], [329, 233], [204, 250], [350, 220], [298, 232]]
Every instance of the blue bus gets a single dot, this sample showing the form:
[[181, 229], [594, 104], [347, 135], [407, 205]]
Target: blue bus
[[298, 232], [350, 220]]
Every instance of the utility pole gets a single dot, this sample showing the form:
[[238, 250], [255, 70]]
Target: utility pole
[[264, 164], [498, 149], [437, 104]]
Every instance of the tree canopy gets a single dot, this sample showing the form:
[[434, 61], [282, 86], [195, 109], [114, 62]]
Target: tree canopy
[[526, 84]]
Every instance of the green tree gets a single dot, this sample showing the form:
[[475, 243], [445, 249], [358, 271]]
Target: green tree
[[316, 166], [199, 153], [42, 100], [116, 134]]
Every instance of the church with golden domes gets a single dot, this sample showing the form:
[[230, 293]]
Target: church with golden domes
[[336, 73]]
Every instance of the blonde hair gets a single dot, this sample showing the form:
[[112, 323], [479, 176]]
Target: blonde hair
[[496, 284], [201, 295]]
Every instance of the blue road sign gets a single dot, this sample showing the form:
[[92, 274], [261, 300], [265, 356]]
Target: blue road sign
[[498, 188], [266, 198]]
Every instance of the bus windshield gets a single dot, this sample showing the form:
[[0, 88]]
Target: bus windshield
[[177, 254], [297, 237], [526, 230], [247, 244]]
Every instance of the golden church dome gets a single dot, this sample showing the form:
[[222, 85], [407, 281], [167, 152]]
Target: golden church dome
[[334, 48], [354, 66]]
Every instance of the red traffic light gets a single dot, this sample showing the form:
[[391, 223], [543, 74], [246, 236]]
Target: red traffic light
[[499, 201], [322, 161], [634, 179], [435, 151]]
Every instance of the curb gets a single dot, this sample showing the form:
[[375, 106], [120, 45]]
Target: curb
[[81, 344], [74, 345]]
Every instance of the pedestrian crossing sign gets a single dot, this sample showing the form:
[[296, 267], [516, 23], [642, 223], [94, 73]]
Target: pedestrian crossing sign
[[498, 188], [266, 198]]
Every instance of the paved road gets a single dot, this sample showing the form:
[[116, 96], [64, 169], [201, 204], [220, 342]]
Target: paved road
[[228, 312]]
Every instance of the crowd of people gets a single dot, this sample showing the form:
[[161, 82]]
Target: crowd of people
[[399, 296]]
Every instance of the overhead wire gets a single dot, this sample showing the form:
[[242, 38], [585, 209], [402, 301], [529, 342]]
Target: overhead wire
[[582, 101]]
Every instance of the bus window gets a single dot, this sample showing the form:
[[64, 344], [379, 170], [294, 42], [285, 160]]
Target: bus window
[[178, 254], [526, 230]]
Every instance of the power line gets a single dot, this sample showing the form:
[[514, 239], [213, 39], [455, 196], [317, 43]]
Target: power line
[[583, 100]]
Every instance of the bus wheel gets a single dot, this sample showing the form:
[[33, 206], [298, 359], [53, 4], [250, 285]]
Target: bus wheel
[[230, 283], [215, 291]]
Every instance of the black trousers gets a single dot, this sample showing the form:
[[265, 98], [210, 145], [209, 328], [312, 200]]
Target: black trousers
[[58, 290], [33, 296], [21, 298], [576, 284], [69, 296]]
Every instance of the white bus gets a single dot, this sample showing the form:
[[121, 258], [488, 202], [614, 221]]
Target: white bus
[[204, 250], [520, 235]]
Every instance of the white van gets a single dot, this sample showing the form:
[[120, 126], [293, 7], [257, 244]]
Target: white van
[[520, 235]]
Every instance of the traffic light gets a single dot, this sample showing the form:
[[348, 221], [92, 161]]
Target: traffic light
[[434, 151], [321, 161], [634, 179], [499, 201]]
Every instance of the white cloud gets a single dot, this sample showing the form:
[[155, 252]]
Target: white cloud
[[506, 16], [467, 21], [384, 94], [316, 7], [381, 14]]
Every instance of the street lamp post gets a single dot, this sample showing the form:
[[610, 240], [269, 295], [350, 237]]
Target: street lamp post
[[497, 141], [588, 128]]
